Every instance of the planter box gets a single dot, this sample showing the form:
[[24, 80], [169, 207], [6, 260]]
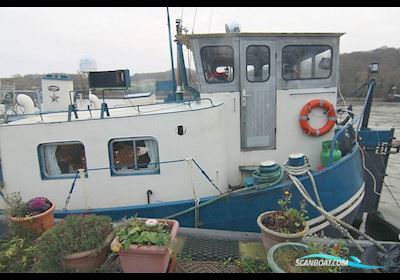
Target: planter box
[[148, 259], [38, 223]]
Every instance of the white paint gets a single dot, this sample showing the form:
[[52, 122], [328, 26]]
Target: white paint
[[203, 138], [290, 138], [349, 205], [56, 100]]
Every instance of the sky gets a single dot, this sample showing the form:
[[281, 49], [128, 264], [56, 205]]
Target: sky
[[40, 40]]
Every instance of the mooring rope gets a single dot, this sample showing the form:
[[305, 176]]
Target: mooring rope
[[255, 187], [342, 226]]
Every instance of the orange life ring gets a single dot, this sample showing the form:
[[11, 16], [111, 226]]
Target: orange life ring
[[330, 111]]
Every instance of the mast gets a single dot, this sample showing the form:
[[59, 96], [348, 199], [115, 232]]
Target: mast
[[182, 82], [172, 59]]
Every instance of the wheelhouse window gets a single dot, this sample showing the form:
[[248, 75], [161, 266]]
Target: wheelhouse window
[[61, 160], [218, 64], [306, 62], [257, 63], [130, 156]]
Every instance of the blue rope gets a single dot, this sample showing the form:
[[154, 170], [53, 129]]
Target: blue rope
[[208, 178], [161, 162], [73, 183]]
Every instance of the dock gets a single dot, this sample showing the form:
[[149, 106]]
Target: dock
[[219, 251]]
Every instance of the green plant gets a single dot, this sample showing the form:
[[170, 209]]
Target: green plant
[[338, 249], [76, 233], [17, 207], [139, 232], [288, 220], [286, 257], [252, 266], [16, 249]]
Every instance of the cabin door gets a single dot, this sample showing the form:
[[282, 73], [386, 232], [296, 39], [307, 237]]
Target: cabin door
[[257, 94]]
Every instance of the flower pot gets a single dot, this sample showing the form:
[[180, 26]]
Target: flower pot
[[270, 237], [148, 259], [88, 261], [38, 223], [270, 256]]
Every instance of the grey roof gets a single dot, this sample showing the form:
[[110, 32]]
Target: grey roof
[[262, 34]]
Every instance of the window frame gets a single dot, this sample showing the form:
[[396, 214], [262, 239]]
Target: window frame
[[269, 65], [42, 167], [132, 172], [202, 64], [302, 79]]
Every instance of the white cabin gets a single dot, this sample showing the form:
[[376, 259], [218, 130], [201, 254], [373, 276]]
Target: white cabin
[[252, 86]]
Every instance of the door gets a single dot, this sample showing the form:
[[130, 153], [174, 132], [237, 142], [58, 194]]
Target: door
[[257, 84]]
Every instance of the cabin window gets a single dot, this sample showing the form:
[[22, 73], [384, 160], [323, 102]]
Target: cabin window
[[257, 63], [130, 156], [61, 160], [217, 64], [306, 62]]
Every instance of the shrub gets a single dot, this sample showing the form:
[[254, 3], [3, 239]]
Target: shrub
[[76, 233]]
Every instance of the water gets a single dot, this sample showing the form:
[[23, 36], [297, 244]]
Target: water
[[385, 115]]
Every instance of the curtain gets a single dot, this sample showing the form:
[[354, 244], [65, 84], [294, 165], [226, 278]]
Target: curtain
[[151, 146], [51, 160]]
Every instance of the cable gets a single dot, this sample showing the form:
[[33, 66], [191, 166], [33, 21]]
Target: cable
[[341, 96], [194, 19], [209, 24], [182, 13], [395, 200]]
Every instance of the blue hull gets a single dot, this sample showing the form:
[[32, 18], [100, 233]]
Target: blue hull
[[239, 211]]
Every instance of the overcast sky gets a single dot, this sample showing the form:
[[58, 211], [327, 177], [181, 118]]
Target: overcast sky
[[43, 40]]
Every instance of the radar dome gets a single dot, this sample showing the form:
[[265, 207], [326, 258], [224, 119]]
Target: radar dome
[[87, 64]]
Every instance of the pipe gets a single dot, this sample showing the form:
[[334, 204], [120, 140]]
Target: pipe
[[94, 100], [26, 102]]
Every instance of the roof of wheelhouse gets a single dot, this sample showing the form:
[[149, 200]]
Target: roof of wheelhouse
[[184, 38], [263, 34]]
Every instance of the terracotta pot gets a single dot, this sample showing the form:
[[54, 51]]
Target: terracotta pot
[[270, 237], [148, 259], [38, 223], [88, 261]]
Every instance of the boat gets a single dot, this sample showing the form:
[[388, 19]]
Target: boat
[[394, 97], [196, 159]]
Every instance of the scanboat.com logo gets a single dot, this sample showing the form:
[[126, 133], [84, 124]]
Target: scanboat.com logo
[[329, 260]]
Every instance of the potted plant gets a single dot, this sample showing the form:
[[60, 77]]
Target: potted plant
[[143, 244], [37, 214], [79, 243], [282, 256], [288, 224]]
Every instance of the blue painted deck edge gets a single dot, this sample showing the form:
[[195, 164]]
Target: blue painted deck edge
[[239, 211]]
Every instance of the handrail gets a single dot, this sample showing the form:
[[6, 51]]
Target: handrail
[[189, 101]]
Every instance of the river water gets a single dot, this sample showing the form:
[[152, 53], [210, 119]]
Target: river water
[[385, 115]]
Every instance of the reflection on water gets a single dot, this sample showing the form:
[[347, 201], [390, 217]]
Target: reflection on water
[[385, 115]]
